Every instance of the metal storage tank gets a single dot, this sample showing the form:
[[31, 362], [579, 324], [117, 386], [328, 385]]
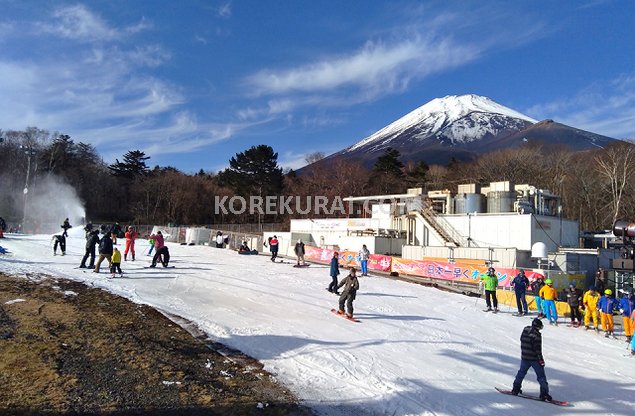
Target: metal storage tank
[[468, 203], [500, 201]]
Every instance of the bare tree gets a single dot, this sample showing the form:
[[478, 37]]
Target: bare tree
[[616, 167]]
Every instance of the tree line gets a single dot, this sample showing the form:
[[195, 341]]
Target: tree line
[[597, 187]]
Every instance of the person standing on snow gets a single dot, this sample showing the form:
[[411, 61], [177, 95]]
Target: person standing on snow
[[92, 239], [105, 252], [351, 286], [65, 226], [606, 305], [574, 299], [531, 357], [590, 302], [158, 245], [520, 284], [549, 296], [364, 255], [3, 226], [335, 271], [61, 241], [221, 239], [115, 262], [299, 252], [131, 236], [273, 247], [627, 307], [491, 283], [535, 286], [115, 230]]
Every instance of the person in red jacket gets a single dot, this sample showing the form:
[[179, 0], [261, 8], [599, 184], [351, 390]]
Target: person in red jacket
[[131, 235]]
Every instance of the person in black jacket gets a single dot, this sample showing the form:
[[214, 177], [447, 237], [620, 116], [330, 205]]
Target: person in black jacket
[[59, 240], [115, 231], [92, 239], [65, 226], [3, 226], [105, 251], [531, 356]]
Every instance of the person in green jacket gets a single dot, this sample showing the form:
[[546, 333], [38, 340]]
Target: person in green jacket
[[491, 283]]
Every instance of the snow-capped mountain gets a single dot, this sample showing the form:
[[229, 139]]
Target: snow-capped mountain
[[462, 127]]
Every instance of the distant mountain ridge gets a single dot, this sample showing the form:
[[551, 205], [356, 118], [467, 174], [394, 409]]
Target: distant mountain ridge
[[464, 127]]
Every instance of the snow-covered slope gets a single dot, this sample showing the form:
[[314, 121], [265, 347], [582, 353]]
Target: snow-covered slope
[[417, 351], [459, 119]]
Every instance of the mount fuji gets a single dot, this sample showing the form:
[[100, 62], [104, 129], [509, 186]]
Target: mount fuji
[[462, 127]]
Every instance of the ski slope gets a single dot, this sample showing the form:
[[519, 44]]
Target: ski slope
[[417, 351]]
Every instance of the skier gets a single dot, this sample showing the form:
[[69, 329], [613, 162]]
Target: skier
[[535, 286], [633, 338], [299, 252], [364, 255], [606, 305], [335, 271], [131, 236], [273, 247], [3, 226], [491, 283], [549, 295], [520, 284], [115, 230], [61, 241], [105, 251], [627, 308], [92, 239], [65, 226], [531, 356], [590, 302], [115, 262], [151, 242], [574, 299], [351, 286]]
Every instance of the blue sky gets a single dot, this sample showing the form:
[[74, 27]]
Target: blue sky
[[193, 82]]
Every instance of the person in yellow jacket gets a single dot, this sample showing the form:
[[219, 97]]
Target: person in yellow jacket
[[590, 302], [549, 295], [115, 262]]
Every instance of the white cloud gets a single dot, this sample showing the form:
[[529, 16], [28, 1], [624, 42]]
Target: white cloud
[[225, 10], [606, 108]]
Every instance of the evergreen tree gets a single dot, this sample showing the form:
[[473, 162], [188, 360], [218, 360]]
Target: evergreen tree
[[253, 172], [389, 164], [133, 165]]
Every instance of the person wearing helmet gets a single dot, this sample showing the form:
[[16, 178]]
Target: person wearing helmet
[[535, 286], [607, 306], [590, 304], [491, 283], [131, 235], [531, 357], [549, 295], [627, 307]]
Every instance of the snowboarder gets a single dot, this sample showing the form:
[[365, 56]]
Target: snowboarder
[[105, 251], [491, 283], [535, 286], [351, 286], [3, 226], [115, 230], [364, 255], [92, 239], [549, 295], [131, 236], [115, 262], [627, 307], [61, 241], [531, 356], [574, 299], [158, 245], [65, 226], [335, 271], [273, 247], [299, 252], [162, 255], [590, 303], [520, 284], [606, 305]]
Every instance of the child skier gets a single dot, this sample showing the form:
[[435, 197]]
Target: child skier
[[335, 271], [627, 306], [574, 299], [115, 263], [549, 295], [351, 286], [151, 242], [590, 302], [606, 306]]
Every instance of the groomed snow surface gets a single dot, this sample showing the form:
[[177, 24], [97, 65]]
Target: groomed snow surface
[[417, 351]]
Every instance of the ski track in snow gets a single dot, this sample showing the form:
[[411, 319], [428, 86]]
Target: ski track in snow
[[417, 350]]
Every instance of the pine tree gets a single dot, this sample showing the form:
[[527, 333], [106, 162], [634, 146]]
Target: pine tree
[[133, 165], [254, 172]]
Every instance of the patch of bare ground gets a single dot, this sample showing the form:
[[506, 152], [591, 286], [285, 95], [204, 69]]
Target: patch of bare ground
[[66, 348]]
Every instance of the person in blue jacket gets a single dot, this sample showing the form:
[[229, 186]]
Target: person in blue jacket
[[627, 306], [335, 271], [520, 284], [607, 305]]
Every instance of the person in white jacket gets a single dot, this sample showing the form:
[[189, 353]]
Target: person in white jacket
[[221, 239], [364, 255]]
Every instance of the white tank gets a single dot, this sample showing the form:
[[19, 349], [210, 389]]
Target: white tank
[[539, 250]]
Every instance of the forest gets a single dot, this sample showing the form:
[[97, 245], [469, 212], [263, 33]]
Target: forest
[[597, 187]]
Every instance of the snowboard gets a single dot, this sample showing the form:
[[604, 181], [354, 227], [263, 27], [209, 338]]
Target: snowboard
[[345, 317], [529, 396], [301, 265], [158, 267]]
